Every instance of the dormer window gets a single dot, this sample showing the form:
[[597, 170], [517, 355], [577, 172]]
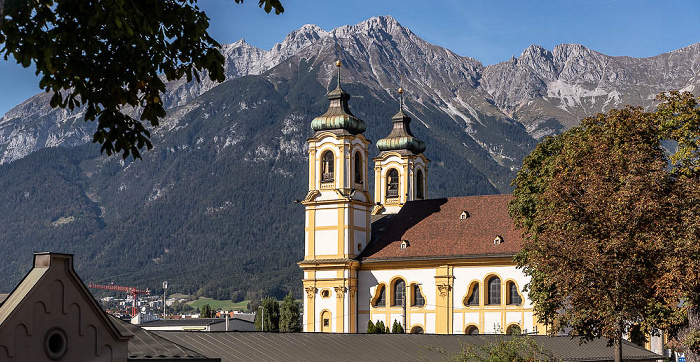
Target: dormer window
[[392, 183], [405, 244], [327, 161], [498, 240], [464, 215]]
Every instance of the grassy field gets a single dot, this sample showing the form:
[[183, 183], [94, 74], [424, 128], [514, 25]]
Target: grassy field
[[218, 304]]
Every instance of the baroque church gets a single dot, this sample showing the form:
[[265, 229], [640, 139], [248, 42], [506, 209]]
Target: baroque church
[[433, 265]]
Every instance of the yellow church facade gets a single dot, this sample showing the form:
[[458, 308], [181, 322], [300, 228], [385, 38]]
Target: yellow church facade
[[433, 265]]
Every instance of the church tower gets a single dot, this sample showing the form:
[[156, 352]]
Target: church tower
[[338, 207], [400, 170]]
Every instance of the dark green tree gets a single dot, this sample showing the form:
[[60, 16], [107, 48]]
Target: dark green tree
[[206, 311], [380, 328], [290, 315], [596, 205], [397, 328], [370, 326], [112, 57], [269, 309]]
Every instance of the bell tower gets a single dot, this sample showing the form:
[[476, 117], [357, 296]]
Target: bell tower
[[338, 207], [401, 169]]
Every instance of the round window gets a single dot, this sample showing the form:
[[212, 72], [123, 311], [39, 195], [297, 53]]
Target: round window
[[55, 343]]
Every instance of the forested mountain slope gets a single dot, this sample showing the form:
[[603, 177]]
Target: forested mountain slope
[[211, 207]]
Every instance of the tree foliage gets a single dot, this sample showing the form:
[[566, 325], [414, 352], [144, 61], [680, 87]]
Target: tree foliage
[[370, 327], [679, 117], [290, 315], [112, 57], [397, 328], [269, 310], [206, 311], [608, 224], [377, 328], [506, 349]]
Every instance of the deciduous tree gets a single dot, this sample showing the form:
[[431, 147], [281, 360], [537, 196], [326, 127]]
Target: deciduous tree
[[679, 117], [505, 349], [111, 56], [596, 205]]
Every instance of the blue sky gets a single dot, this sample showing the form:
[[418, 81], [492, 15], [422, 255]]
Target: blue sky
[[490, 31]]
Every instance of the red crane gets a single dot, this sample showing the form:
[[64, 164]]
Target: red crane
[[130, 290]]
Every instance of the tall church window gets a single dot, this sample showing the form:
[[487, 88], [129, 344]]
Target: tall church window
[[327, 166], [358, 168], [380, 300], [418, 298], [392, 183], [473, 297], [399, 293], [419, 185], [494, 291], [326, 321], [513, 295]]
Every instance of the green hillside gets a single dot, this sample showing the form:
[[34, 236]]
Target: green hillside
[[211, 208]]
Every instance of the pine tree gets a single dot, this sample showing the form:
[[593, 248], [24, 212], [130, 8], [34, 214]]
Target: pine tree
[[271, 312], [379, 328], [206, 312], [370, 326], [396, 327], [290, 320]]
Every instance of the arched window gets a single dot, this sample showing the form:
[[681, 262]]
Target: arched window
[[473, 297], [399, 293], [392, 183], [418, 298], [513, 295], [327, 166], [380, 300], [471, 330], [417, 330], [358, 168], [514, 330], [494, 291], [325, 321], [419, 185]]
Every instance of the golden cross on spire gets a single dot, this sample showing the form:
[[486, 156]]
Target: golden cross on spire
[[339, 64]]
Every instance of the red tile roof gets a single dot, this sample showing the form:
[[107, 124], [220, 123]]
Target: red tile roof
[[434, 230]]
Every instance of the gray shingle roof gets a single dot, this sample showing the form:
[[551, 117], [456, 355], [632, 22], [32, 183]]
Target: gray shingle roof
[[258, 346], [145, 345], [189, 322]]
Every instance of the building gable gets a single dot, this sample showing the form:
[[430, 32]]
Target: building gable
[[51, 315]]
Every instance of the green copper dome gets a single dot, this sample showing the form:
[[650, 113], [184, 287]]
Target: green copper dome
[[338, 116], [401, 137]]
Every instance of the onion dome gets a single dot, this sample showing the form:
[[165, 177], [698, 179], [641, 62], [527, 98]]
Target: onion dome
[[338, 116], [401, 137]]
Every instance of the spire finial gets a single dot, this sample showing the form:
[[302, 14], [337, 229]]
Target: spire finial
[[338, 64], [400, 99]]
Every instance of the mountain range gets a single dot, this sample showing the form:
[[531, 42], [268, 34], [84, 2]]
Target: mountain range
[[211, 207]]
